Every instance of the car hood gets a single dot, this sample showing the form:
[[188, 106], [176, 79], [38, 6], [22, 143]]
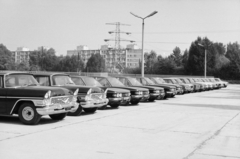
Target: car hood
[[83, 89], [117, 90], [132, 88], [150, 87], [39, 91]]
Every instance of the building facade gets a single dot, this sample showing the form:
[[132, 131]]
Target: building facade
[[21, 55], [83, 52], [114, 59]]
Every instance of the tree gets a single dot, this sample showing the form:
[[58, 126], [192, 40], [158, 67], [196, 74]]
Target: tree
[[150, 60], [95, 63], [177, 56], [6, 61], [69, 64]]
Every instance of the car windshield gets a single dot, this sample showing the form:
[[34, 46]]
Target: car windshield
[[173, 81], [178, 81], [91, 82], [191, 80], [159, 80], [134, 82], [115, 82], [185, 80], [62, 80], [18, 80], [149, 81], [217, 79]]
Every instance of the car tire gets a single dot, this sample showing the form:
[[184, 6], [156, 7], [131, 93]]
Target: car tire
[[151, 99], [90, 110], [77, 112], [28, 114], [134, 102], [58, 116], [114, 105]]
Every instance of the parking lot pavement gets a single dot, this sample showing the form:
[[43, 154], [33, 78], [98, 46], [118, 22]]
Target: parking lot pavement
[[202, 125]]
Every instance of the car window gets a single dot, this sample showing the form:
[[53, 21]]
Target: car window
[[43, 81], [123, 80], [78, 81], [144, 82], [104, 82], [62, 80], [20, 80]]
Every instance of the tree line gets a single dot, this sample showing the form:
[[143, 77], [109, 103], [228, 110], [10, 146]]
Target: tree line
[[222, 61]]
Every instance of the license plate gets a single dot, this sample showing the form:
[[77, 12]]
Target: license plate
[[125, 98]]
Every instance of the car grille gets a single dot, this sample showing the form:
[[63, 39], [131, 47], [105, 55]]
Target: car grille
[[62, 100], [125, 94], [145, 92], [97, 95]]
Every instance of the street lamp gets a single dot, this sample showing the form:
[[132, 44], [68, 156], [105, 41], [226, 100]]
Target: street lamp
[[142, 72], [205, 58]]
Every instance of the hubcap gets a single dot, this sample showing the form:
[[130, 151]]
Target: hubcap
[[28, 113]]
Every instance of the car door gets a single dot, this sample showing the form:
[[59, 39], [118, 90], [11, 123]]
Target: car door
[[3, 94]]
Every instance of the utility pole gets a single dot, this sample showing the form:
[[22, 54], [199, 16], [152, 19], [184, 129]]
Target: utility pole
[[117, 55]]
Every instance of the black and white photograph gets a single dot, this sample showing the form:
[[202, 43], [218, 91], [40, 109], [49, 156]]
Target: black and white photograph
[[119, 79]]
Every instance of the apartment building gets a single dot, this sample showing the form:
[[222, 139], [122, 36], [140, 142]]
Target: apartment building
[[114, 59], [83, 52], [21, 55]]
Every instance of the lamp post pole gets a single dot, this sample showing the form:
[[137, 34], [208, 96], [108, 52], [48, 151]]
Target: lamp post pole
[[142, 70], [205, 58]]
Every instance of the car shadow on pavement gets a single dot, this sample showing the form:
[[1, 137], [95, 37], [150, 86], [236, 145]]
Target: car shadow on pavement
[[228, 107], [16, 121]]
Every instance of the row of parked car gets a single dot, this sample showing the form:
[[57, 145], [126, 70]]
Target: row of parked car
[[32, 95]]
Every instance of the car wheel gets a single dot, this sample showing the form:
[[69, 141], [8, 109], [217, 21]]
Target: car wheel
[[28, 114], [134, 102], [114, 105], [90, 110], [77, 112], [151, 99], [58, 116]]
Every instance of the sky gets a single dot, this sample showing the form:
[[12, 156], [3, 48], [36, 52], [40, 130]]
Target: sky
[[66, 24]]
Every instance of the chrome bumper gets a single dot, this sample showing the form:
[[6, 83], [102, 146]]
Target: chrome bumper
[[94, 103], [57, 109]]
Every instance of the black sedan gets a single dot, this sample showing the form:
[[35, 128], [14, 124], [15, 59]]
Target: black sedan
[[115, 96], [155, 92], [137, 93]]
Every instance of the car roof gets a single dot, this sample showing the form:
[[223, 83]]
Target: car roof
[[49, 73], [13, 72]]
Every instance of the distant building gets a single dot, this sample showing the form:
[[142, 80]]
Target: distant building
[[40, 48], [83, 52], [127, 57], [21, 55]]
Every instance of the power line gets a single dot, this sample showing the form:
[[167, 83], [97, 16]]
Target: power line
[[190, 32], [165, 42]]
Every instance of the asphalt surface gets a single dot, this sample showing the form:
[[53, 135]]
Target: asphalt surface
[[202, 125]]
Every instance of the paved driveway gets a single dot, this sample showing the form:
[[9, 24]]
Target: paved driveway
[[202, 125]]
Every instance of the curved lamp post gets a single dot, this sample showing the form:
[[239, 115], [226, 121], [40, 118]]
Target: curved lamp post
[[142, 72]]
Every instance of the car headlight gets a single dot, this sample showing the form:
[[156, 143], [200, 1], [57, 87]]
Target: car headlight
[[156, 91], [47, 95], [76, 92], [117, 95]]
